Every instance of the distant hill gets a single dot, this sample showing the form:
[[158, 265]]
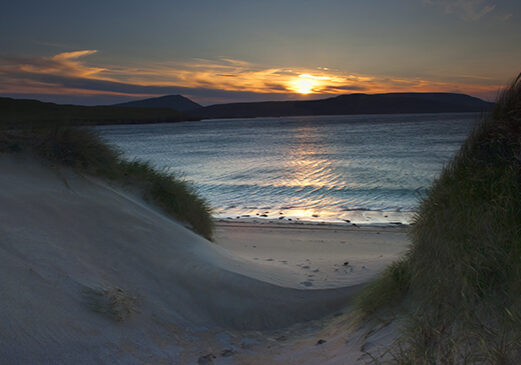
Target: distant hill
[[13, 111], [393, 103], [176, 102]]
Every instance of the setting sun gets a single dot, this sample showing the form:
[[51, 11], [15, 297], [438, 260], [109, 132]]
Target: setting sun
[[307, 84], [303, 85]]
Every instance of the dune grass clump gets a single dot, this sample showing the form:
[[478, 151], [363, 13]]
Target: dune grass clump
[[176, 197], [114, 302], [83, 150], [459, 285]]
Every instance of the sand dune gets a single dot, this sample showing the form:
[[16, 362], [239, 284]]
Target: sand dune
[[93, 274]]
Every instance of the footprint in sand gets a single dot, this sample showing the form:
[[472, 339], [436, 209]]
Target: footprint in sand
[[305, 267], [269, 259], [316, 270], [306, 283]]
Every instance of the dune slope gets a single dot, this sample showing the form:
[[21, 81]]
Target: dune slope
[[93, 274]]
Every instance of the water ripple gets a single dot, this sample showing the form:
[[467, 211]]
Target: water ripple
[[358, 168]]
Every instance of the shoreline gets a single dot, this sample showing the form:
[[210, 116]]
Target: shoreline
[[301, 224], [292, 215]]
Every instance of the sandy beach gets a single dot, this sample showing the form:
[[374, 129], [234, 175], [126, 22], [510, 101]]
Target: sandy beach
[[312, 256], [94, 274]]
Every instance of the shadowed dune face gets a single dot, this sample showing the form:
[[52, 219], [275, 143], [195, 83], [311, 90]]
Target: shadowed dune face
[[460, 280], [84, 263]]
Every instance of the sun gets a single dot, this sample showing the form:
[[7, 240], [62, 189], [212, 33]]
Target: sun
[[303, 85], [306, 83]]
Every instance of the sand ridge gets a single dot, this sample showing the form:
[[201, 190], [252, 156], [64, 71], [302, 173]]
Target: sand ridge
[[93, 274]]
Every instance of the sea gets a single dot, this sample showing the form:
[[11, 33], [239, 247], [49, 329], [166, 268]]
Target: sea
[[355, 169]]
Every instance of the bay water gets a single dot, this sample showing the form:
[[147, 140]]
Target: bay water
[[362, 169]]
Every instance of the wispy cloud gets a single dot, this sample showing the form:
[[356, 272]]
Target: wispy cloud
[[505, 17], [470, 10], [206, 81]]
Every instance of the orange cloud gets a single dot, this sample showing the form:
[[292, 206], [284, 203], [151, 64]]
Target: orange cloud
[[67, 72]]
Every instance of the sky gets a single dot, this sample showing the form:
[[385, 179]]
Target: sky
[[216, 51]]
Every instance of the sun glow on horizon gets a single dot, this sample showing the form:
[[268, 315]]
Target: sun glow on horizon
[[307, 84], [303, 86]]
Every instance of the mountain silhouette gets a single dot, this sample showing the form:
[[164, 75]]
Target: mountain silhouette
[[15, 112], [392, 103], [175, 102]]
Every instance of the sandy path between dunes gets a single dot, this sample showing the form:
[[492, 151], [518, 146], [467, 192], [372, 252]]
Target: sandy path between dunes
[[311, 255], [76, 253]]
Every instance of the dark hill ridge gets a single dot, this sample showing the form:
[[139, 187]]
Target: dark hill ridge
[[148, 110], [16, 111], [393, 103], [175, 102]]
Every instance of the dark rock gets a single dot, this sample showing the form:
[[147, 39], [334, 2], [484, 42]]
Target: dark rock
[[263, 215], [227, 353], [206, 359], [321, 341], [346, 263], [347, 220]]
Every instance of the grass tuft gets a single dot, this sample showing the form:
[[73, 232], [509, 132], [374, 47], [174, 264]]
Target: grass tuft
[[116, 303], [460, 283], [386, 291], [176, 197]]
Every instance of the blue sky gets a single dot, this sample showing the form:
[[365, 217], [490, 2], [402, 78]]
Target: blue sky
[[219, 51]]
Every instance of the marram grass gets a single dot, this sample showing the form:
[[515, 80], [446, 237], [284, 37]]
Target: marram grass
[[459, 285], [83, 150]]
